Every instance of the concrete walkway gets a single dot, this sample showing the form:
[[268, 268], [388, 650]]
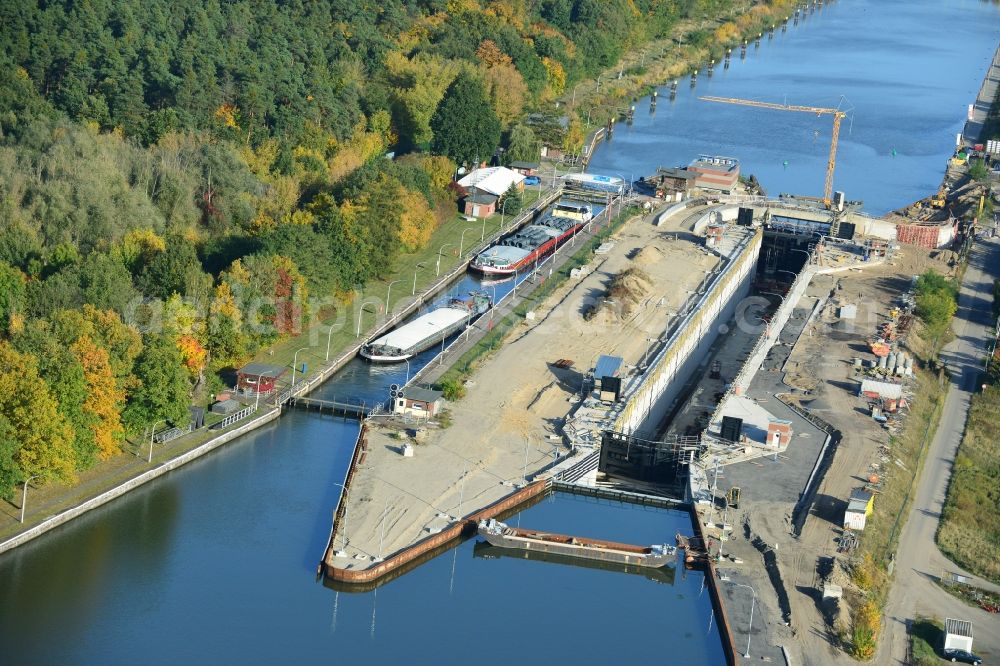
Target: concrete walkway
[[919, 562], [981, 109]]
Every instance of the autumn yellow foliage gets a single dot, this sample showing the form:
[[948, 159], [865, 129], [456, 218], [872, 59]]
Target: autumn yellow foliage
[[727, 33], [193, 354], [417, 221], [104, 399], [43, 440], [555, 76], [139, 246], [363, 146]]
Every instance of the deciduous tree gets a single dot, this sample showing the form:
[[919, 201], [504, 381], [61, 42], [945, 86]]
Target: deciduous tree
[[38, 441], [523, 145], [104, 399], [162, 393]]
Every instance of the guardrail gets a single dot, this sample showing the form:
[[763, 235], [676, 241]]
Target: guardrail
[[233, 418], [440, 356]]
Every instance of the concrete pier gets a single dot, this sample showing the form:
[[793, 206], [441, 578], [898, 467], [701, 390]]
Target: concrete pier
[[512, 423]]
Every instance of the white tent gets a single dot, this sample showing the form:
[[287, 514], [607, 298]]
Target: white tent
[[493, 180]]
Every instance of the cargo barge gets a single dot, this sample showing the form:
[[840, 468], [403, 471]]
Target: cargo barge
[[486, 550], [503, 536], [532, 242], [426, 330]]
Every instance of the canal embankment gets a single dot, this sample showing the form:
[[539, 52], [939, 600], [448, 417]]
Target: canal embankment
[[260, 419], [980, 109], [177, 452]]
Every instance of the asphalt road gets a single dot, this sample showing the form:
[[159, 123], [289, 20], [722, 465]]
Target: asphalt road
[[918, 560]]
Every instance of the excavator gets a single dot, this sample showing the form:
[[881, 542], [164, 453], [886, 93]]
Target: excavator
[[939, 200]]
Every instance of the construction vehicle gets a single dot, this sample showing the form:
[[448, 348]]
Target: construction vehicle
[[733, 498], [939, 199], [837, 114]]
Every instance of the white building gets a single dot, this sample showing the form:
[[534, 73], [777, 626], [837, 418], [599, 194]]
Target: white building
[[492, 180], [419, 402]]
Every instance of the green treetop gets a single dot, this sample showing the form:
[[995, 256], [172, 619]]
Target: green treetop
[[465, 127]]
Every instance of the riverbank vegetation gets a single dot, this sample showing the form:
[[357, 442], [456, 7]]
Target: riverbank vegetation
[[185, 184], [969, 531]]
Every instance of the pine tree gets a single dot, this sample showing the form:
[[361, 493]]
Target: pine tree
[[466, 129]]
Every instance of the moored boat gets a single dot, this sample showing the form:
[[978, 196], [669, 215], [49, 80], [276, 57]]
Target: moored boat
[[426, 330], [502, 535], [533, 241]]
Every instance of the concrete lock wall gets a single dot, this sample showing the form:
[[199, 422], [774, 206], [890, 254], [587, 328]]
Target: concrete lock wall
[[714, 216], [771, 333], [662, 382]]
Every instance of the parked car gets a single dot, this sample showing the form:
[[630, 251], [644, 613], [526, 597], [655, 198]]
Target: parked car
[[963, 656], [532, 180]]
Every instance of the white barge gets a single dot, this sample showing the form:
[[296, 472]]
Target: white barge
[[426, 330]]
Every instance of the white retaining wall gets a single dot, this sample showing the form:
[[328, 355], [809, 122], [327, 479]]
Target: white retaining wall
[[685, 350]]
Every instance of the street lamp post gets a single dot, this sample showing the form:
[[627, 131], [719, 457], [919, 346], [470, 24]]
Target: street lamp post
[[295, 364], [525, 470], [753, 600], [808, 256], [24, 494], [361, 311], [461, 245], [152, 432], [792, 273], [438, 266], [328, 334], [407, 371], [645, 354], [387, 292], [503, 211], [416, 269]]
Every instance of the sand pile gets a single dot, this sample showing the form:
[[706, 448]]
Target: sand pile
[[648, 255], [628, 288]]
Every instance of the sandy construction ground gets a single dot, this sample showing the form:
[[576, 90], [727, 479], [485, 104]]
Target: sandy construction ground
[[508, 425]]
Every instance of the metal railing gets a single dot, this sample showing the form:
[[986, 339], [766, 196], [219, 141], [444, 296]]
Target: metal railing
[[438, 359], [171, 434], [233, 418]]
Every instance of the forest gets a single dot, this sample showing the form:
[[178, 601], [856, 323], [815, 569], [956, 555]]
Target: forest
[[180, 180]]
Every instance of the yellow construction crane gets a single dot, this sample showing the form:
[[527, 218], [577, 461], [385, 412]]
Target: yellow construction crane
[[837, 114]]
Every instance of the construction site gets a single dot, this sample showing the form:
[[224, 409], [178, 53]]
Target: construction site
[[751, 358]]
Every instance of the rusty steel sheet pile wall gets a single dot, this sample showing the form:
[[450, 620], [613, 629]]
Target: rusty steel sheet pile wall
[[712, 580], [461, 528], [659, 386]]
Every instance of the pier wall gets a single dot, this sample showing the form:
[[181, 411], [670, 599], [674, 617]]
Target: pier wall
[[462, 527], [712, 582], [659, 387]]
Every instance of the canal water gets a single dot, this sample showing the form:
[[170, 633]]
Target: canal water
[[215, 562], [906, 70]]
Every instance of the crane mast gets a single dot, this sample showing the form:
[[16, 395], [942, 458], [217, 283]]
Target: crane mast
[[837, 114]]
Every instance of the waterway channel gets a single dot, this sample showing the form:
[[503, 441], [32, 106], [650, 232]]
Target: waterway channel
[[215, 562]]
